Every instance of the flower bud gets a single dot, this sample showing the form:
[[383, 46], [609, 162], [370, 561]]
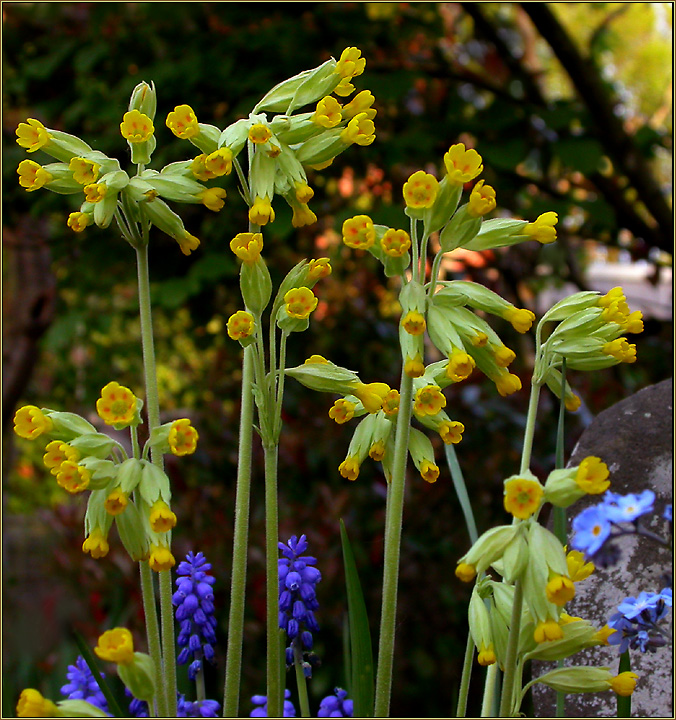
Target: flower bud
[[139, 677], [144, 99], [462, 228], [132, 532], [324, 377], [154, 483]]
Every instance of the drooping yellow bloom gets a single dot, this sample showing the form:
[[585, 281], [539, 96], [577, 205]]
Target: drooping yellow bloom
[[429, 472], [302, 216], [217, 163], [84, 171], [116, 502], [480, 339], [116, 645], [429, 400], [560, 590], [420, 190], [543, 229], [592, 476], [117, 405], [414, 366], [78, 221], [300, 302], [32, 176], [187, 243], [521, 319], [522, 497], [481, 200], [182, 437], [319, 269], [371, 394], [390, 404], [161, 558], [503, 356], [359, 130], [486, 655], [342, 411], [621, 350], [259, 133], [360, 103], [578, 569], [349, 468], [572, 402], [95, 192], [414, 323], [547, 630], [451, 432], [465, 572], [162, 519], [73, 477], [247, 246], [199, 169], [359, 232], [350, 63], [460, 366], [304, 193], [507, 384], [32, 135], [624, 684], [136, 126], [182, 121], [261, 212], [56, 453], [212, 198], [377, 451], [344, 88], [328, 113], [30, 422], [601, 636], [462, 165], [241, 325], [634, 323], [33, 705], [96, 544], [395, 243], [316, 360]]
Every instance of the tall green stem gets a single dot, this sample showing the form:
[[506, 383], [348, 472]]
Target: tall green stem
[[510, 655], [489, 691], [392, 550], [152, 632], [300, 680], [233, 663], [530, 427], [464, 681]]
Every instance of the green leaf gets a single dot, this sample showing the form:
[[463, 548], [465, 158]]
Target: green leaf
[[362, 690], [624, 703]]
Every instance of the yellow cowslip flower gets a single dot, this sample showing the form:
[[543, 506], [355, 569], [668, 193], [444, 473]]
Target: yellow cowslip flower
[[371, 394], [429, 400], [84, 171], [465, 572], [318, 269], [451, 431], [350, 63], [507, 384], [429, 472], [359, 130], [116, 645], [521, 319], [601, 636], [634, 323], [486, 655], [32, 135], [241, 325], [162, 519], [304, 193], [78, 221], [578, 569], [95, 192], [503, 356], [302, 216], [161, 558], [116, 502], [199, 169], [182, 121], [547, 630], [621, 350], [460, 366], [360, 103], [522, 497], [359, 232], [480, 339], [247, 246], [592, 476], [395, 243], [217, 163], [261, 212], [342, 411], [560, 590], [136, 126], [187, 243], [462, 165], [543, 229], [73, 477], [420, 190], [30, 422], [58, 452], [624, 684], [390, 404], [212, 198], [259, 133], [349, 468], [117, 405], [33, 705], [328, 112], [616, 312], [182, 437], [300, 302], [481, 200], [96, 544], [414, 367], [316, 360], [572, 402], [377, 451], [32, 176], [414, 323], [344, 88], [566, 619]]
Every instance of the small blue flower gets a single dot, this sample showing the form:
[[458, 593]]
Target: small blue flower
[[194, 602], [262, 702], [667, 595], [632, 607], [336, 705], [83, 686], [627, 508], [668, 513], [591, 528]]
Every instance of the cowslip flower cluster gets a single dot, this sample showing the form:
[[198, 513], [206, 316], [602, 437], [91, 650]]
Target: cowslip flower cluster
[[336, 705], [194, 602], [82, 459], [637, 622], [261, 706]]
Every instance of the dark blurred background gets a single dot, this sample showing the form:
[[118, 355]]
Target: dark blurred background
[[570, 106]]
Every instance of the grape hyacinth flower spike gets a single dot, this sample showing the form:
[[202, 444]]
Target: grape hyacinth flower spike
[[83, 686], [336, 705], [194, 602], [261, 703]]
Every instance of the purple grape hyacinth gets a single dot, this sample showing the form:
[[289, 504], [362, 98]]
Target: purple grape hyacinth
[[184, 708], [82, 685], [336, 705], [261, 709], [194, 602]]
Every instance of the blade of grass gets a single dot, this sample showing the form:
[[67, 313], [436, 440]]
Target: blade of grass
[[461, 492], [88, 657], [363, 688]]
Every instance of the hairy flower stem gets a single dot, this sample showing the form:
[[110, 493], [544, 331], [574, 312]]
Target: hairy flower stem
[[489, 700], [300, 681], [233, 663], [168, 663], [153, 634], [530, 427], [395, 513], [507, 699], [464, 680]]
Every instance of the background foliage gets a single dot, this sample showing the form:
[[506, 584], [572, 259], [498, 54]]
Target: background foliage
[[512, 80]]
